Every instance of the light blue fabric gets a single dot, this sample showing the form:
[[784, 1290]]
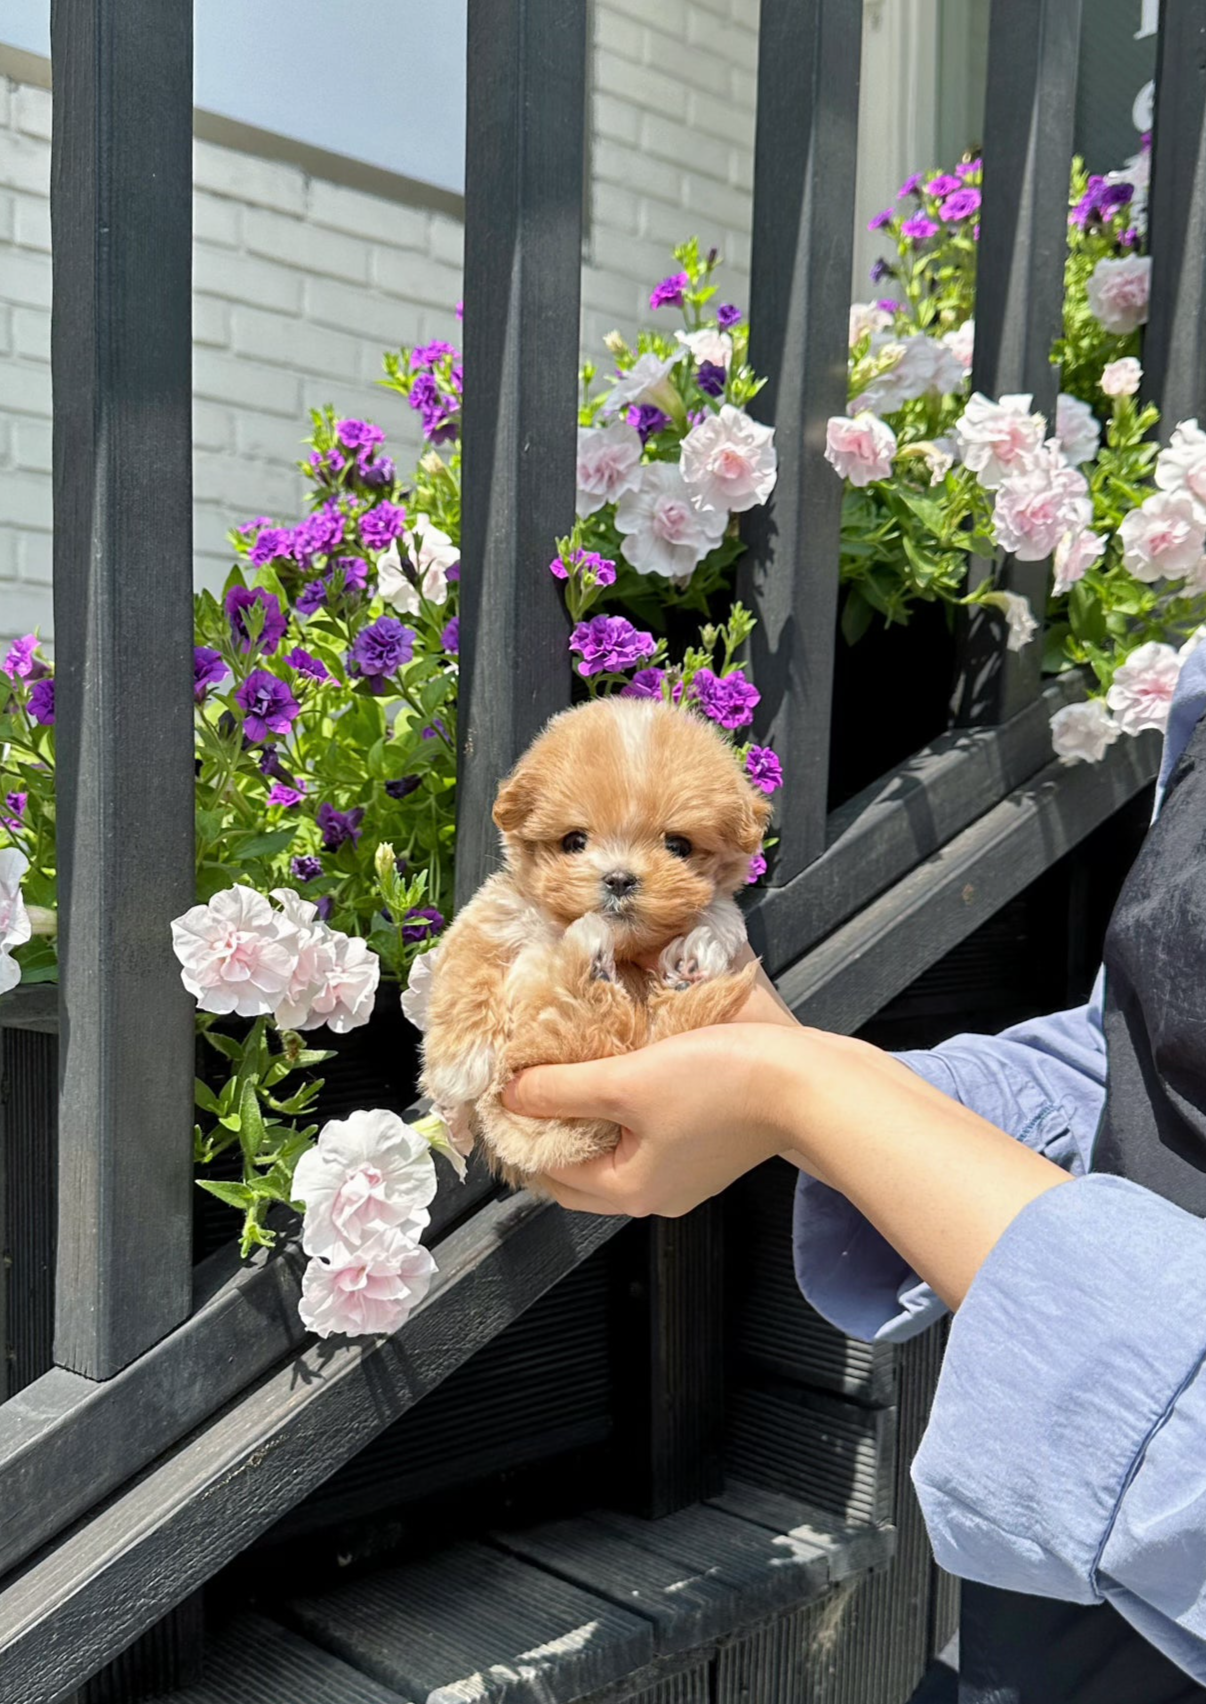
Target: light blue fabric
[[1066, 1452]]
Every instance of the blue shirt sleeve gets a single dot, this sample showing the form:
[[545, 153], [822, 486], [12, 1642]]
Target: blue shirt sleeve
[[1064, 1455]]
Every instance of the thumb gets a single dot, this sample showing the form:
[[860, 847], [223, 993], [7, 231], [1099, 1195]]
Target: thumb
[[565, 1091]]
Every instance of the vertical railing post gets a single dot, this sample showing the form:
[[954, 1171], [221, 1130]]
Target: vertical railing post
[[1033, 50], [1174, 344], [804, 163], [121, 198], [523, 261]]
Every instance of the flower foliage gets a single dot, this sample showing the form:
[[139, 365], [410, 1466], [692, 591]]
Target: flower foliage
[[936, 476]]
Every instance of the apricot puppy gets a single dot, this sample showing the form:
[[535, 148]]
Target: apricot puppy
[[627, 828]]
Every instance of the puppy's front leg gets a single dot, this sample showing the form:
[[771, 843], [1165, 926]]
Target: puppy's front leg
[[707, 950], [568, 1004]]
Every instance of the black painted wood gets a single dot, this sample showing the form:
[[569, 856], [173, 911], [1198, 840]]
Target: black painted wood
[[82, 1601], [671, 1390], [475, 1623], [523, 258], [886, 830], [850, 1547], [254, 1660], [808, 78], [121, 197], [861, 966], [1174, 344], [1031, 100], [28, 1155]]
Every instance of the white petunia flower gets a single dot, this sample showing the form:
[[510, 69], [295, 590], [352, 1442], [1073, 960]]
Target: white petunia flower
[[997, 438], [1076, 429], [861, 449], [1121, 377], [1076, 552], [645, 381], [345, 1001], [367, 1173], [663, 532], [15, 925], [1182, 466], [708, 344], [1118, 292], [1038, 503], [728, 462], [420, 985], [366, 1294], [866, 318], [921, 366], [237, 954], [1163, 538], [609, 464], [1083, 733], [431, 554], [1143, 687], [962, 342], [1019, 620]]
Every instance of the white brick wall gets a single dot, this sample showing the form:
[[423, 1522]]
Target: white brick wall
[[299, 284]]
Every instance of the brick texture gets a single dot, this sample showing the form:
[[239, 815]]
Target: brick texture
[[300, 284]]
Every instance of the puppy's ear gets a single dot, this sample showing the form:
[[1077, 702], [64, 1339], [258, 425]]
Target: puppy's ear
[[755, 818], [515, 799]]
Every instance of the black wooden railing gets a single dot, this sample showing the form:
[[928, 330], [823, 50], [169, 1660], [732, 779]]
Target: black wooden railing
[[149, 1353]]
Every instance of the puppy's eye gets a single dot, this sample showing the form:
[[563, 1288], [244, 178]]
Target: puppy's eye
[[574, 841], [678, 846]]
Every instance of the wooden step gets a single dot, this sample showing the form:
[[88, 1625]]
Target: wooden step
[[254, 1660]]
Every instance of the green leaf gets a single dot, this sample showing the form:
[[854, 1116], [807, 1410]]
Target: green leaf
[[204, 1096], [251, 1120], [234, 1194], [262, 845], [857, 616]]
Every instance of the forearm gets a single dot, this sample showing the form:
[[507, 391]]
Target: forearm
[[938, 1181]]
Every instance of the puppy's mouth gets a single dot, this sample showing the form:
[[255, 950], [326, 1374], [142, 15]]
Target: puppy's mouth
[[620, 905]]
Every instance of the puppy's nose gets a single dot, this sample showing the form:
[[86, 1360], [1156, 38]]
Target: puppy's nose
[[620, 883]]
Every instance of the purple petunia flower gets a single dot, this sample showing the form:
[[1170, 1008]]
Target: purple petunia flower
[[646, 683], [347, 576], [319, 534], [728, 315], [356, 434], [968, 168], [208, 670], [459, 311], [757, 868], [305, 664], [383, 647], [324, 907], [306, 867], [41, 702], [881, 270], [333, 462], [379, 527], [438, 408], [380, 471], [450, 638], [267, 704], [888, 305], [239, 599], [250, 527], [404, 787], [609, 642], [312, 596], [421, 925], [763, 768], [338, 827], [1129, 239], [943, 184], [1114, 196], [910, 186], [711, 378], [728, 699], [280, 794], [19, 661], [16, 803], [961, 205], [647, 419], [427, 354], [437, 727], [271, 543], [880, 220], [670, 292], [919, 229], [270, 764]]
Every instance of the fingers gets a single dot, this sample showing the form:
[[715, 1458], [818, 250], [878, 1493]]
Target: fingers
[[564, 1091]]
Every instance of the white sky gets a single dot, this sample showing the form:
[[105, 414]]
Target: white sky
[[381, 80]]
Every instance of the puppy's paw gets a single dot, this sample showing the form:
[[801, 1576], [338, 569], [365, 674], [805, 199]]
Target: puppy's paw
[[460, 1079], [697, 957], [591, 938]]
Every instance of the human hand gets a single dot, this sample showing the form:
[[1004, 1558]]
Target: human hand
[[696, 1111]]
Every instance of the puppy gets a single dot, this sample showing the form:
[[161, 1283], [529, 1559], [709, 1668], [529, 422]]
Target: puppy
[[627, 828]]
